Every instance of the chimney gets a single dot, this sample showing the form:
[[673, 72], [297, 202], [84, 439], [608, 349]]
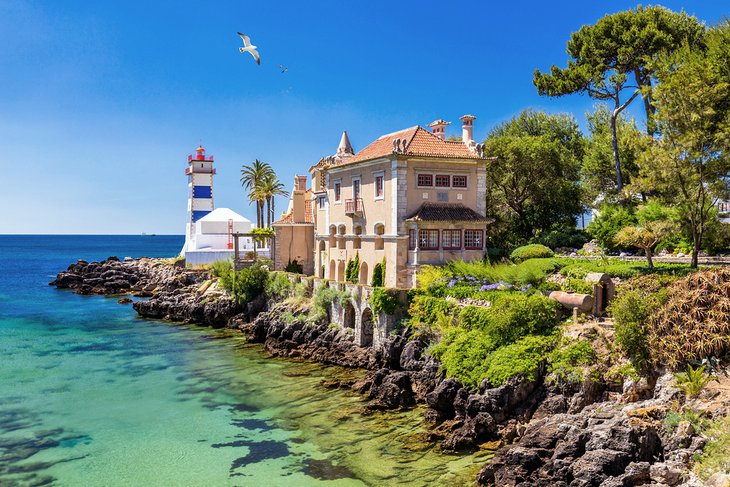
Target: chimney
[[467, 128], [298, 197], [300, 183], [438, 128]]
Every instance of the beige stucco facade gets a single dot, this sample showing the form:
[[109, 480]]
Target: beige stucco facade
[[421, 202]]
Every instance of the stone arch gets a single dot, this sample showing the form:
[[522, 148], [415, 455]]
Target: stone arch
[[332, 239], [366, 328], [333, 269], [322, 246], [364, 273], [341, 271], [348, 315]]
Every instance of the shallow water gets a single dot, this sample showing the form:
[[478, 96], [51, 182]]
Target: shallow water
[[92, 395]]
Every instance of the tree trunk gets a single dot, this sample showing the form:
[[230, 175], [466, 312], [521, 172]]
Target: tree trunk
[[649, 255], [645, 82], [614, 147], [268, 212]]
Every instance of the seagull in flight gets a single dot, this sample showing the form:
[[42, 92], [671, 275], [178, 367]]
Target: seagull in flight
[[248, 47], [283, 69]]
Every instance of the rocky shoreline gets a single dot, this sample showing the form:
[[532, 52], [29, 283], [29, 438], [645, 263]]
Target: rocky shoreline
[[594, 434]]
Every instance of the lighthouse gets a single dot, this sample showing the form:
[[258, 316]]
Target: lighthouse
[[208, 231], [200, 174]]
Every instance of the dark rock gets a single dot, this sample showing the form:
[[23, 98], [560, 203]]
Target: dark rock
[[124, 301]]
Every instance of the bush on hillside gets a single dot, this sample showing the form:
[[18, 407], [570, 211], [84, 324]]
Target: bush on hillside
[[635, 302], [294, 267], [511, 316], [531, 251], [609, 221], [562, 237], [695, 322], [248, 283], [278, 286], [220, 268]]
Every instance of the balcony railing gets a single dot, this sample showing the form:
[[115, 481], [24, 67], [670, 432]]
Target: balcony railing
[[353, 206]]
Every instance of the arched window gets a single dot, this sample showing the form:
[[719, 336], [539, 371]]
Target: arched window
[[379, 231]]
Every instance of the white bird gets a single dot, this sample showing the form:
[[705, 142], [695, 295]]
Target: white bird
[[248, 47], [283, 69]]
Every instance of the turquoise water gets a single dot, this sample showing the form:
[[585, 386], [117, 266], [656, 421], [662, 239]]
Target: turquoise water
[[92, 395]]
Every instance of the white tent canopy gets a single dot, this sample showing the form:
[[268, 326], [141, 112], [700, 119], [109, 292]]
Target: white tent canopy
[[216, 222]]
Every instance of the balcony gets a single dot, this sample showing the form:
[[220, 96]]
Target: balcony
[[353, 207]]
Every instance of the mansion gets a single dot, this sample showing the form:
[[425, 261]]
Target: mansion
[[407, 199]]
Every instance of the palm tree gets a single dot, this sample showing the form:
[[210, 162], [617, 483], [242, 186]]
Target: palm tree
[[251, 177], [270, 188]]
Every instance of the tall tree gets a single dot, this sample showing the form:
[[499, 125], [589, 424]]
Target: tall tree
[[252, 176], [597, 167], [620, 46], [689, 164], [534, 174]]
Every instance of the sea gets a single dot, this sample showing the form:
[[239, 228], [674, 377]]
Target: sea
[[93, 395]]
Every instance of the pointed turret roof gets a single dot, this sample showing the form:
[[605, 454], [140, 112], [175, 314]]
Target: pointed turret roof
[[345, 148]]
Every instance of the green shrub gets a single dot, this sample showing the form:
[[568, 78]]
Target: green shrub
[[464, 355], [294, 267], [322, 300], [278, 286], [425, 309], [378, 274], [221, 268], [523, 358], [714, 458], [696, 418], [352, 271], [566, 362], [693, 381], [247, 283], [384, 301], [630, 311], [562, 236], [610, 219], [531, 251], [635, 302]]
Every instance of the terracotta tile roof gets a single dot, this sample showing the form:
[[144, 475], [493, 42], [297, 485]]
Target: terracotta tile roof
[[417, 141], [308, 214], [444, 212]]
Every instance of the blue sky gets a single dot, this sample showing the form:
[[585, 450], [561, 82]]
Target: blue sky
[[100, 102]]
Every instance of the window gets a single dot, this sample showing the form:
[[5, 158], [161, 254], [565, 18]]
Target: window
[[379, 186], [451, 239], [443, 180], [473, 239], [425, 180], [338, 191], [355, 188], [458, 182], [428, 239], [321, 202]]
